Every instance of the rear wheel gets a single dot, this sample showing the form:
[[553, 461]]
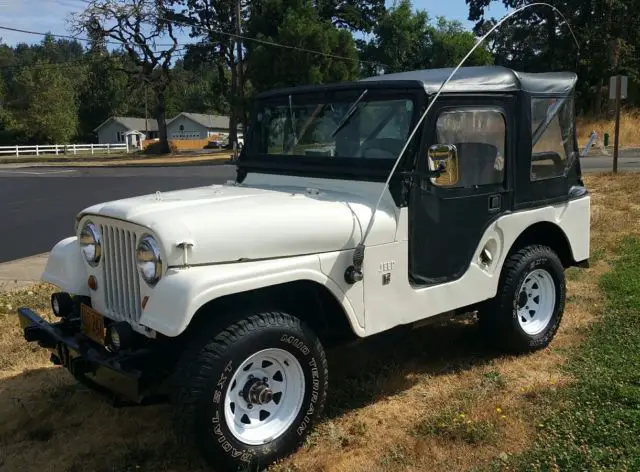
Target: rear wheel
[[250, 394], [526, 313]]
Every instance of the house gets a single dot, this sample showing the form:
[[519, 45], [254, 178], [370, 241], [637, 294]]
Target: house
[[121, 129], [199, 126]]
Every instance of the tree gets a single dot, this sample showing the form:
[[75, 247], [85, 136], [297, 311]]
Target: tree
[[404, 40], [271, 66], [137, 25], [354, 15], [216, 23], [6, 122], [196, 88], [102, 93], [450, 43], [45, 111], [538, 40]]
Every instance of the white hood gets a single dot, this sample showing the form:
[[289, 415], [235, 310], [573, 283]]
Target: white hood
[[271, 217]]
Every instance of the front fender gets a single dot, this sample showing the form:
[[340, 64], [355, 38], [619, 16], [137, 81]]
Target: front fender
[[65, 267], [182, 291]]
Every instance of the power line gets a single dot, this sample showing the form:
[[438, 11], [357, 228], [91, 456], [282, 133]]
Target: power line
[[270, 43], [260, 41]]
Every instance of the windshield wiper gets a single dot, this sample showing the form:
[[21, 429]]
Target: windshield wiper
[[348, 114]]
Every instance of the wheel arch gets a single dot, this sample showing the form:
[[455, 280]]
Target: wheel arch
[[548, 234], [312, 302]]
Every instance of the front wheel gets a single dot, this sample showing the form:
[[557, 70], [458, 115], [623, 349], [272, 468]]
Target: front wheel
[[250, 395], [526, 313]]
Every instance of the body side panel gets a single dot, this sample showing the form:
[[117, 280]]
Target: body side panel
[[398, 302]]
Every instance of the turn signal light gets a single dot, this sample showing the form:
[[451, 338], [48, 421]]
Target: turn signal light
[[93, 283]]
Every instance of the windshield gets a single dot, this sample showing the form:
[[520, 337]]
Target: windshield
[[358, 125]]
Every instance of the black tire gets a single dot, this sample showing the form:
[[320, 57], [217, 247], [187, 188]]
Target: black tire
[[205, 371], [499, 319]]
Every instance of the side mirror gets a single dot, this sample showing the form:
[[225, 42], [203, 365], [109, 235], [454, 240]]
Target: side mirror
[[443, 164]]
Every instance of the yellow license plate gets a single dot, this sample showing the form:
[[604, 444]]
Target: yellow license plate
[[92, 324]]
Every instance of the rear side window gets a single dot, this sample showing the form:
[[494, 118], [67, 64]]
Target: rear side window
[[553, 135], [479, 135]]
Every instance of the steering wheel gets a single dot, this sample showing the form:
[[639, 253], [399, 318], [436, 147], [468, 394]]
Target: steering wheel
[[381, 148]]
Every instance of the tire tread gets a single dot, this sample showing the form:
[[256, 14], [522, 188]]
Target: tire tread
[[494, 326], [193, 374]]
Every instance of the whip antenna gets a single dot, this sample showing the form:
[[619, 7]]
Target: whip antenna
[[354, 272]]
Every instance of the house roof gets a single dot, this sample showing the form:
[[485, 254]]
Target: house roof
[[132, 123], [208, 121], [486, 79]]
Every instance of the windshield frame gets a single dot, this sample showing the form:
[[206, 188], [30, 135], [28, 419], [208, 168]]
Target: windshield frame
[[360, 168]]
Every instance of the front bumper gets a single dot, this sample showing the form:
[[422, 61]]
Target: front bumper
[[122, 376]]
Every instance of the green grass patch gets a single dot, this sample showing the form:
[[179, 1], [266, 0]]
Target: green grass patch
[[458, 426], [594, 423]]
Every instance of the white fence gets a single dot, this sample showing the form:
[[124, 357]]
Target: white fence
[[64, 149]]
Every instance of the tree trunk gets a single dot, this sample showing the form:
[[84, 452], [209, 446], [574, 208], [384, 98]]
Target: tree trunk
[[162, 123]]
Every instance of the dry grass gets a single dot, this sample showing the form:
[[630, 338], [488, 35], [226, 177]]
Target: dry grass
[[629, 129], [432, 399]]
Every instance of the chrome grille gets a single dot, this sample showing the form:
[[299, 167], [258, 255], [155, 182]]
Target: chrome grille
[[120, 274]]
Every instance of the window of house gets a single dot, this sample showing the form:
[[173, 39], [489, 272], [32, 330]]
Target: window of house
[[553, 129], [120, 137], [479, 135]]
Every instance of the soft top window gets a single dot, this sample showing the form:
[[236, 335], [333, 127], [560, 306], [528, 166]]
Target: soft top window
[[553, 136], [479, 135]]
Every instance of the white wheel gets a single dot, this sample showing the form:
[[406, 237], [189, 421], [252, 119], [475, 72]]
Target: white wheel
[[265, 395], [526, 313], [536, 302], [250, 394]]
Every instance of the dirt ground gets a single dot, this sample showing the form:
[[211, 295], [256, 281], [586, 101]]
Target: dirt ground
[[434, 399]]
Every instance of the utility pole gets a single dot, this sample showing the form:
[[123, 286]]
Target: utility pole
[[146, 113], [617, 132], [240, 101]]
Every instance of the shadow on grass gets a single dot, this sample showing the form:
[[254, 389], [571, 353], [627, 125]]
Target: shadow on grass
[[395, 361], [49, 421]]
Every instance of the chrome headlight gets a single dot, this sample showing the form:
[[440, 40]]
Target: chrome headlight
[[91, 243], [149, 260]]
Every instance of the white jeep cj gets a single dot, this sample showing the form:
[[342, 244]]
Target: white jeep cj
[[225, 297]]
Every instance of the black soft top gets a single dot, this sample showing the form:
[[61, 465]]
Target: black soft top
[[487, 79], [466, 79]]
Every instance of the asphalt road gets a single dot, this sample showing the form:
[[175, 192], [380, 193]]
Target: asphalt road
[[630, 162], [38, 204]]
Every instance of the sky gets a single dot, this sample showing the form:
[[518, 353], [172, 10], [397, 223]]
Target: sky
[[51, 15]]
